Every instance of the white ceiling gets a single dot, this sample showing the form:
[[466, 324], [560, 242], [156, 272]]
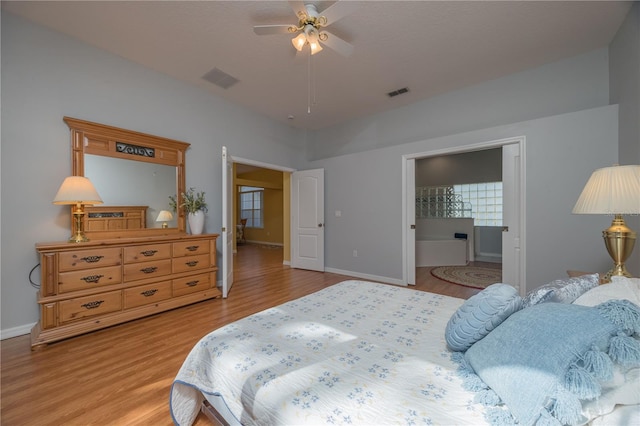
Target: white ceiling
[[430, 47]]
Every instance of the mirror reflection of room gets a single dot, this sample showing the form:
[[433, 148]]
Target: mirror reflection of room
[[123, 182]]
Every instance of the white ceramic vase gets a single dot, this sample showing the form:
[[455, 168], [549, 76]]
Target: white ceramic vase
[[196, 222]]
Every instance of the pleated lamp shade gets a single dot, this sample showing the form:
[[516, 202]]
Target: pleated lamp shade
[[611, 190], [77, 190], [164, 216]]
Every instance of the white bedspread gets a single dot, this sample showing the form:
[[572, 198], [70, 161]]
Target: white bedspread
[[353, 353]]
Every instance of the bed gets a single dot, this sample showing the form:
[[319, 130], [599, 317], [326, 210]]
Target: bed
[[354, 353]]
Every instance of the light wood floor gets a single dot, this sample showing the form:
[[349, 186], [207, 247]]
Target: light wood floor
[[122, 375]]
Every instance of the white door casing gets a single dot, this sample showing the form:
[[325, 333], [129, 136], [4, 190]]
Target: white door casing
[[409, 177], [511, 226], [307, 219], [227, 222]]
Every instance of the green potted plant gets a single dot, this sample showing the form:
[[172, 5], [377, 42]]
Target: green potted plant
[[195, 206]]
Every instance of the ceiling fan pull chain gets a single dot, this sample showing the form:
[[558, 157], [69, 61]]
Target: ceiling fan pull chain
[[309, 83], [314, 85]]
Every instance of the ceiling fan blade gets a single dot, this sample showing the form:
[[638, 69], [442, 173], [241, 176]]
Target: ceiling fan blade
[[339, 10], [274, 29], [336, 43], [298, 8]]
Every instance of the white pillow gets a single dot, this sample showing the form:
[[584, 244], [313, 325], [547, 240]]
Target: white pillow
[[623, 390], [619, 288]]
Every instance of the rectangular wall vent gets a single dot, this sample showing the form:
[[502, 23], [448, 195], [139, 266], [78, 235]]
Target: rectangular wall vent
[[398, 92], [220, 78]]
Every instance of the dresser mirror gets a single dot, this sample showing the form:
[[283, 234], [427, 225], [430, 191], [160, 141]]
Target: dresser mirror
[[134, 174]]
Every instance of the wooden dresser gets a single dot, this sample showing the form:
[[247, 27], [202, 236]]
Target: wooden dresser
[[89, 286]]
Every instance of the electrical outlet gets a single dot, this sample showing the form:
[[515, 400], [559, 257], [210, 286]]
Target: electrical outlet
[[355, 253]]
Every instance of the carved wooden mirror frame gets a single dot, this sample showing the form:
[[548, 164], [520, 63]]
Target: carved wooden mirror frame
[[100, 139]]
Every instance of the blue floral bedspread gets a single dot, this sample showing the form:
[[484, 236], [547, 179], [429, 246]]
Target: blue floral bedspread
[[354, 353]]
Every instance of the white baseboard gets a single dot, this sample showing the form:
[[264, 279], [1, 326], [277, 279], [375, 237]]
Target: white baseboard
[[16, 331], [489, 257], [386, 280], [265, 243]]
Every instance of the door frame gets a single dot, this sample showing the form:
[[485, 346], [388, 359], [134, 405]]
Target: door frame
[[286, 213], [228, 221], [519, 204]]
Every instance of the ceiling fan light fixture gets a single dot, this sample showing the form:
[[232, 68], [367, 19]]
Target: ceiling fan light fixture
[[315, 47], [299, 41], [311, 33], [310, 27]]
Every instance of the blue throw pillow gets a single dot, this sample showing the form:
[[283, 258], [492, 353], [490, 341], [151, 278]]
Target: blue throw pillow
[[563, 290], [543, 361], [480, 314]]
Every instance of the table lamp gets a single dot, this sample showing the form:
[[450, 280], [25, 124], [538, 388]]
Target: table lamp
[[77, 191], [164, 216], [613, 191]]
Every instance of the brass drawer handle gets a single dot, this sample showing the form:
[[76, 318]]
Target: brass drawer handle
[[93, 279], [149, 293], [91, 259], [192, 248], [193, 283], [191, 263], [148, 253], [149, 270], [93, 305]]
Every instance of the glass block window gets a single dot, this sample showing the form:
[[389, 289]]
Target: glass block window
[[252, 206], [485, 200]]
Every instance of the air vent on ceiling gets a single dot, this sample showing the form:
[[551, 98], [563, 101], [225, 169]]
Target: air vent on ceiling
[[398, 92], [220, 78]]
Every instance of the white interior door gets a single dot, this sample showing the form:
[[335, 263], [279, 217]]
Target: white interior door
[[227, 222], [307, 219], [410, 219], [511, 214]]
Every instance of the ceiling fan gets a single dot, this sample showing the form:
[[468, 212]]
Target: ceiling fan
[[310, 27]]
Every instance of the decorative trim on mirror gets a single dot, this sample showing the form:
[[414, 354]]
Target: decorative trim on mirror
[[143, 151]]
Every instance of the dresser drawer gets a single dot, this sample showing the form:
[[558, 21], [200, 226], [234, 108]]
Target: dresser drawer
[[84, 259], [142, 270], [147, 253], [89, 278], [190, 263], [96, 304], [146, 294], [190, 248], [191, 284]]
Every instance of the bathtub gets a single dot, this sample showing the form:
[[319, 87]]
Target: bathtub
[[441, 252]]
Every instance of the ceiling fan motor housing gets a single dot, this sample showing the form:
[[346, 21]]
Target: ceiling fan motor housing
[[311, 18]]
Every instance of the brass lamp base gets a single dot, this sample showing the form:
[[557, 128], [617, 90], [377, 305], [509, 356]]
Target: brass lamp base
[[619, 240], [78, 236]]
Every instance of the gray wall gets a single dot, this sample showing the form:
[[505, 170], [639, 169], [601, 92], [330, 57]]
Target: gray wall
[[456, 169], [561, 153], [570, 85], [624, 84], [624, 87], [47, 75]]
